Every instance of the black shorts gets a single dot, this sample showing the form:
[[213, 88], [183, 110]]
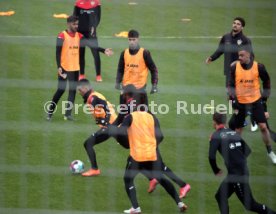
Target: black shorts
[[255, 109], [147, 167]]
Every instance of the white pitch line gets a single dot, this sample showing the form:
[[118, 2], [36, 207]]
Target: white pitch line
[[144, 37], [164, 89]]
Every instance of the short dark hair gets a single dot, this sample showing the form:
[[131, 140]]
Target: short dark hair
[[72, 18], [246, 48], [242, 21], [84, 82], [133, 34], [219, 118]]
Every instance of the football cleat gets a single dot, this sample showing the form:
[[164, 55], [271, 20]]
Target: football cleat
[[91, 172], [272, 157], [184, 190], [133, 210], [99, 78], [69, 118], [182, 207], [49, 117], [152, 185], [254, 127]]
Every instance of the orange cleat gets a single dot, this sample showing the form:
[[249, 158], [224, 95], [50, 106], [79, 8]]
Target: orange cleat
[[91, 172], [99, 78], [81, 76], [152, 185], [184, 190]]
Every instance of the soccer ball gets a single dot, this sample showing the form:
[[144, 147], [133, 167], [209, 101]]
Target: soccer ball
[[76, 166]]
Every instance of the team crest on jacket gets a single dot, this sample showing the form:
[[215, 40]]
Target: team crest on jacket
[[232, 146], [239, 42], [223, 135]]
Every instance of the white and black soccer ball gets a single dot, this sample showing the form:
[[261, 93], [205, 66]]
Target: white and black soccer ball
[[77, 166]]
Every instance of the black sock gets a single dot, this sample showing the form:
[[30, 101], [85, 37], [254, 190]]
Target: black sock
[[269, 149]]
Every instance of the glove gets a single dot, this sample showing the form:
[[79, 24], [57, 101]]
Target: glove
[[263, 101], [102, 121], [235, 104], [118, 86], [154, 89]]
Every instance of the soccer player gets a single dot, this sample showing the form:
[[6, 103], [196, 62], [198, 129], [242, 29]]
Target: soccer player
[[133, 66], [234, 151], [67, 58], [70, 60], [144, 135], [245, 93], [89, 13], [130, 100], [228, 46], [103, 113]]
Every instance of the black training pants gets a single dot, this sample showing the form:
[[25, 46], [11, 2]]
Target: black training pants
[[72, 78], [96, 138], [166, 171], [241, 187], [133, 168], [92, 43]]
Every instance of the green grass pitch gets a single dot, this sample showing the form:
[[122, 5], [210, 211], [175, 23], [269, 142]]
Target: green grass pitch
[[35, 154]]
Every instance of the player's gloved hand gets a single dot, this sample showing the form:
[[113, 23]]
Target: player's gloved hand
[[102, 121], [263, 101], [235, 104], [118, 86], [265, 108], [154, 89]]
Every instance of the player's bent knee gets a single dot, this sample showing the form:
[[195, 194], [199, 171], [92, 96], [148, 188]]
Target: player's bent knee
[[262, 127], [89, 143], [85, 144]]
